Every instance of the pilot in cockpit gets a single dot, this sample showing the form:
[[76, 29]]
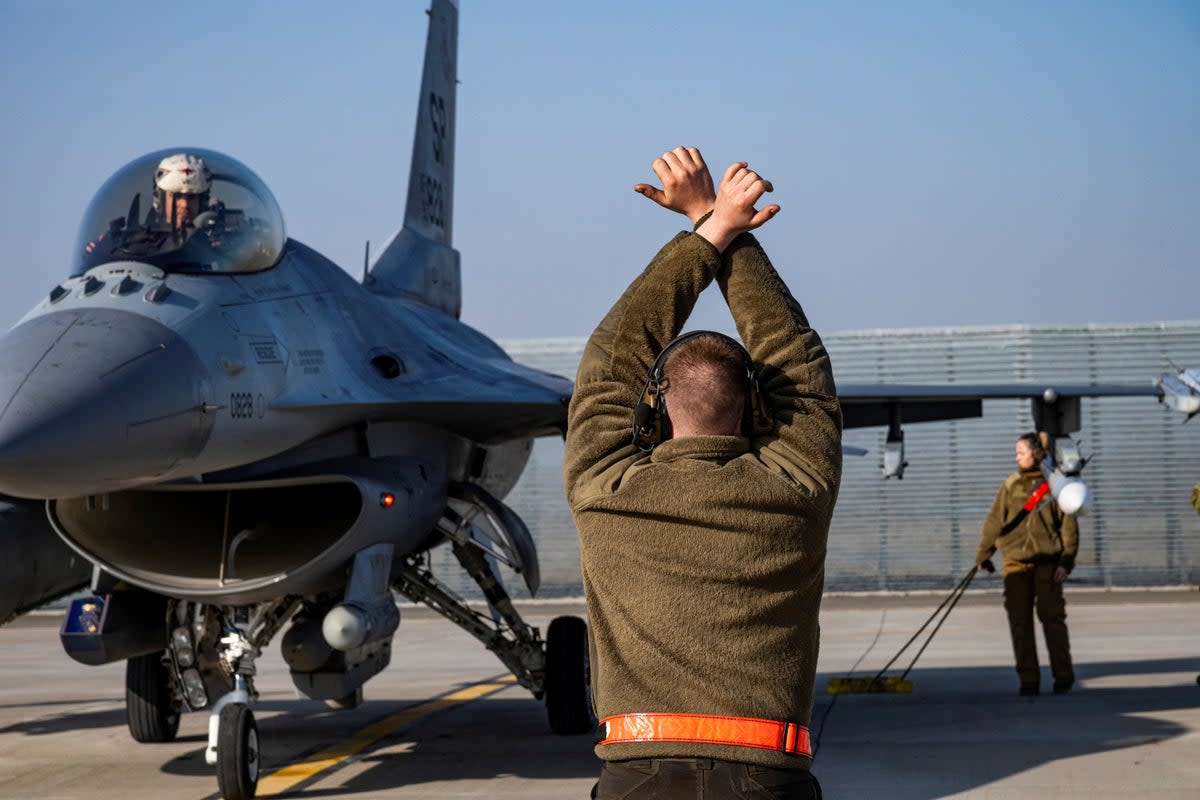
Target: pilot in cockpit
[[207, 213], [181, 193], [181, 185]]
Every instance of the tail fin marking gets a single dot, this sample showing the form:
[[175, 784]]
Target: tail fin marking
[[419, 261]]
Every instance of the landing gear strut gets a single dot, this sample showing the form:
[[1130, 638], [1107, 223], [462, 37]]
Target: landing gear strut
[[556, 670], [213, 649]]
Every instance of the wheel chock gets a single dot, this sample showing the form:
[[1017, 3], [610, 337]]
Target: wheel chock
[[892, 685]]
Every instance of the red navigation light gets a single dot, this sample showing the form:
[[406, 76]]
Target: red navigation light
[[387, 499]]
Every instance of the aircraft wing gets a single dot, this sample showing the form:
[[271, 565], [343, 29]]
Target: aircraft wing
[[870, 404], [1055, 413], [486, 415]]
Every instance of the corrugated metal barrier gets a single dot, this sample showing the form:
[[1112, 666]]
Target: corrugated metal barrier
[[921, 532]]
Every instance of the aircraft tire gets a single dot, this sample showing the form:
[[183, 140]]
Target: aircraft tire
[[151, 708], [567, 703], [238, 756]]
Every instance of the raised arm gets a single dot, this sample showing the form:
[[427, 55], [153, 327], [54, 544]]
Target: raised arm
[[795, 375], [650, 313]]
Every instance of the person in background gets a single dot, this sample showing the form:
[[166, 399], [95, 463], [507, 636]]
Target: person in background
[[1039, 543]]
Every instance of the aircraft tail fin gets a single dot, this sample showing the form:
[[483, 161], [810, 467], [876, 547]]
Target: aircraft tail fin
[[419, 261]]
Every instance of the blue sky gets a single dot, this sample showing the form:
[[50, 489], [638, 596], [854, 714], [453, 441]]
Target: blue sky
[[938, 163]]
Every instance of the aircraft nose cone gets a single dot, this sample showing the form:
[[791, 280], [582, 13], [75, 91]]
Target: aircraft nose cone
[[95, 400]]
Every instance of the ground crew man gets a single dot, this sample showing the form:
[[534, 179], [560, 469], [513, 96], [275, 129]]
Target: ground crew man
[[1039, 543], [703, 515]]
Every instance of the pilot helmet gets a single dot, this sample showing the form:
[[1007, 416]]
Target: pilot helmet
[[184, 175]]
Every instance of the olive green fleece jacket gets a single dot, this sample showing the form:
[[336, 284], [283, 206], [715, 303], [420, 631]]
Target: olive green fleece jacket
[[1045, 533], [703, 561]]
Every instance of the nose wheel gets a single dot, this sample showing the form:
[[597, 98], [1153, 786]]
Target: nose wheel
[[232, 732], [238, 757]]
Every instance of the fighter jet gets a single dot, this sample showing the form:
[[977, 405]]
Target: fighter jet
[[239, 441], [244, 441]]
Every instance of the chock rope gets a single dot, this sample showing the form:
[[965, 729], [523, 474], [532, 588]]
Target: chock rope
[[851, 685]]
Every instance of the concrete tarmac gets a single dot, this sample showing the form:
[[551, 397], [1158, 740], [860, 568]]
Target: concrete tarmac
[[1131, 727]]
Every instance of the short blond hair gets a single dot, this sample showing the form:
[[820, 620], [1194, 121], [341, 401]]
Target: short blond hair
[[706, 384]]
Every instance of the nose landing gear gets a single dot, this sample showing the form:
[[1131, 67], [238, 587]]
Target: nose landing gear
[[237, 753]]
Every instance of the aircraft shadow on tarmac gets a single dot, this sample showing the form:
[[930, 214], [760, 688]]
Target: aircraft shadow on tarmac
[[114, 716], [478, 741], [73, 721], [962, 728]]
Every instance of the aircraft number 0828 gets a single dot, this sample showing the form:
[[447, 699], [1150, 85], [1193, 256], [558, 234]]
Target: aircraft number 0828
[[241, 405]]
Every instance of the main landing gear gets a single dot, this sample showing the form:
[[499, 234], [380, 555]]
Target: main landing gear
[[152, 707], [484, 532], [555, 670]]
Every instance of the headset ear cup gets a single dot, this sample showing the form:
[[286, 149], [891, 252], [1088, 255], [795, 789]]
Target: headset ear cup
[[643, 421], [648, 417], [760, 418]]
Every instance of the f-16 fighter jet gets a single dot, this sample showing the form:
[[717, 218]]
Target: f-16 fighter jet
[[239, 442], [244, 441]]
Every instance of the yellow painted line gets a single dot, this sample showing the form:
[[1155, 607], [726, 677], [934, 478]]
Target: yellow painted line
[[285, 778]]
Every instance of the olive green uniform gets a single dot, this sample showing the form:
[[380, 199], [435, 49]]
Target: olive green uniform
[[703, 561], [1044, 540]]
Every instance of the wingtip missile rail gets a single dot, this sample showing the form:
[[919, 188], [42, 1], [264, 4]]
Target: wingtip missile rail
[[1180, 391]]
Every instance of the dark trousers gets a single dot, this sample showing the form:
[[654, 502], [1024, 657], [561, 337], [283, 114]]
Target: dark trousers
[[701, 779], [1023, 592]]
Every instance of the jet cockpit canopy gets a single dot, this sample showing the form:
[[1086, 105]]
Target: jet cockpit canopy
[[183, 209]]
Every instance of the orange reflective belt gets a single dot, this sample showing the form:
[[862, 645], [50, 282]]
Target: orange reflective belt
[[764, 734]]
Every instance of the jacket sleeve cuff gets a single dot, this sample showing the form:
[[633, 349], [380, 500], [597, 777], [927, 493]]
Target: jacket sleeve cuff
[[710, 250], [1067, 562]]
